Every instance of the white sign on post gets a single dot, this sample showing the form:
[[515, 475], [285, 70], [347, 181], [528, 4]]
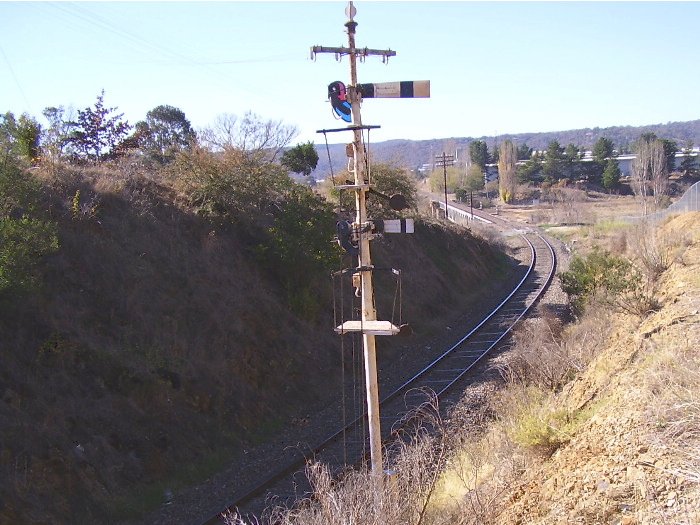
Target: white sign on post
[[398, 226]]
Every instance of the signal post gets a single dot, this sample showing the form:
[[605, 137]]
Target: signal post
[[369, 326]]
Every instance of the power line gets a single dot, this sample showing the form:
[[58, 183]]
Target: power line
[[101, 23], [95, 20], [14, 76]]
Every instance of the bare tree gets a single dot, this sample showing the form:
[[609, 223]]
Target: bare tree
[[221, 135], [649, 171], [659, 171], [507, 157], [641, 173], [251, 134]]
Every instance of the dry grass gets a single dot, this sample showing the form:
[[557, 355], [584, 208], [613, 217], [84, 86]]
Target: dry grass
[[539, 357], [471, 487], [529, 423], [483, 474], [402, 496], [567, 206], [492, 236], [674, 403], [545, 357], [439, 480], [654, 251]]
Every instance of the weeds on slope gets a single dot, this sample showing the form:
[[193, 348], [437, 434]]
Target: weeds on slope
[[440, 477], [402, 496]]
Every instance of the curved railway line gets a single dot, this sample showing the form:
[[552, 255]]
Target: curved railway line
[[347, 446]]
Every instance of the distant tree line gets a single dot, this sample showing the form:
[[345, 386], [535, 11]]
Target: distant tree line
[[416, 153], [521, 164], [99, 133]]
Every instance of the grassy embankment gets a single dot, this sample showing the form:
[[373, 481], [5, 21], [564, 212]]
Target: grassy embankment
[[174, 327]]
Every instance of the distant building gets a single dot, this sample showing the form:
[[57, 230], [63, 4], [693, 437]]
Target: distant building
[[425, 168], [624, 161]]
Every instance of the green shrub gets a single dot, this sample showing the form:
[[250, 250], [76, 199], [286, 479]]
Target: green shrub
[[300, 248], [390, 180], [609, 278], [229, 185], [24, 237], [20, 137], [302, 233], [541, 431]]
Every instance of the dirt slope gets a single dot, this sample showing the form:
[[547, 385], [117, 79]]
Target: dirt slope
[[637, 459]]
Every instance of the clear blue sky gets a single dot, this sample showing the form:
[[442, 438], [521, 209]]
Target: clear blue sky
[[494, 67]]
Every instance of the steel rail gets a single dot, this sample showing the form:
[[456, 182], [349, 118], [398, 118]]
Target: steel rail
[[508, 331], [510, 321]]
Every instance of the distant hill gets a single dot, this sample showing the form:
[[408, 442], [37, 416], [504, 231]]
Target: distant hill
[[414, 153]]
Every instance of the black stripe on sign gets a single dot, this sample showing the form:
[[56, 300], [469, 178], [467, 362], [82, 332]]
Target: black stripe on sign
[[403, 221], [407, 89], [366, 90]]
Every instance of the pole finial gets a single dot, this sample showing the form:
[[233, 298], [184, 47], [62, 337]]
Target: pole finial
[[350, 11]]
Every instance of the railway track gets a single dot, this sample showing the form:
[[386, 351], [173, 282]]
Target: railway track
[[347, 445]]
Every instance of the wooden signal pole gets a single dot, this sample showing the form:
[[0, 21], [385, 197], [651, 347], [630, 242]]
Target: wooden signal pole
[[369, 313], [361, 188], [369, 326]]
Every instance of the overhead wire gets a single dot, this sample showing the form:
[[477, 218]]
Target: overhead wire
[[365, 146], [361, 365], [341, 276], [93, 19], [14, 77]]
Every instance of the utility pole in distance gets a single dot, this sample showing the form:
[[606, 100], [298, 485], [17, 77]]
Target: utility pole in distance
[[486, 181], [444, 161]]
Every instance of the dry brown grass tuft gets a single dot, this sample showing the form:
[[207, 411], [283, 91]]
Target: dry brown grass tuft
[[402, 496], [654, 251], [673, 380], [492, 236], [547, 354]]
